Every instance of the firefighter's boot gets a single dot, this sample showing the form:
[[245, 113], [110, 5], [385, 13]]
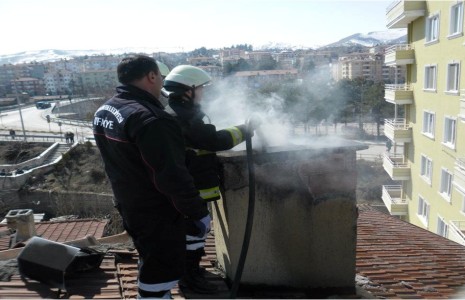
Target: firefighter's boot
[[194, 278]]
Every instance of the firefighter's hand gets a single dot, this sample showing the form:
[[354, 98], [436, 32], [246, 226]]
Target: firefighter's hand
[[204, 225], [253, 123]]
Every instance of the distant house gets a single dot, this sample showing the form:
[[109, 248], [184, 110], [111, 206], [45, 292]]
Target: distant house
[[257, 78]]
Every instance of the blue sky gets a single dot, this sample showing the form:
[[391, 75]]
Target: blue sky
[[181, 24]]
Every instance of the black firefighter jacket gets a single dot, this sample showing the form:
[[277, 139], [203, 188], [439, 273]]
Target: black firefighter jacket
[[143, 151], [202, 141]]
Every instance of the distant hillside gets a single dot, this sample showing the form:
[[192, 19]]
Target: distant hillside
[[358, 40], [388, 37]]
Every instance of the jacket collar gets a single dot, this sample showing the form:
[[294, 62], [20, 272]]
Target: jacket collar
[[129, 91]]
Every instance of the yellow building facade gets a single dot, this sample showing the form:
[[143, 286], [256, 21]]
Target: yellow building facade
[[428, 127]]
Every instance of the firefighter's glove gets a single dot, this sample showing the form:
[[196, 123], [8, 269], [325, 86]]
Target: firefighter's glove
[[204, 225], [253, 123]]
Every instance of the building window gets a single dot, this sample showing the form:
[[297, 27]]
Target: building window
[[432, 29], [443, 228], [446, 184], [456, 20], [453, 77], [430, 78], [428, 124], [426, 170], [423, 210], [449, 132]]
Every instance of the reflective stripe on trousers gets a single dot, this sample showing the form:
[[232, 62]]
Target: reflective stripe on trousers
[[155, 287], [195, 242]]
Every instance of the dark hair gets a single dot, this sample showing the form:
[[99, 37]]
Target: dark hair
[[135, 67]]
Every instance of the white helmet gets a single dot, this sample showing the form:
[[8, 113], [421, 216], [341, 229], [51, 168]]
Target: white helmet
[[164, 70], [188, 76]]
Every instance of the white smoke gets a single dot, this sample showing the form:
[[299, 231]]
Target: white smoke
[[233, 104]]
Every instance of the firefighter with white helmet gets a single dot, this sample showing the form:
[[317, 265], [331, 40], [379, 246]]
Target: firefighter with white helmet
[[185, 85], [164, 70]]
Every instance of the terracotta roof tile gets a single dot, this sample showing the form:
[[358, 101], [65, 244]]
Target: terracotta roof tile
[[397, 259], [101, 283], [60, 231], [406, 261]]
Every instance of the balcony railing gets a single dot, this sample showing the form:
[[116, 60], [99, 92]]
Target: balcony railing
[[401, 94], [398, 130], [456, 232], [402, 54], [396, 166], [394, 201], [462, 105], [459, 175], [400, 13]]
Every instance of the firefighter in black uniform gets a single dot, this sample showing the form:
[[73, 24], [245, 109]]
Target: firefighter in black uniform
[[144, 155], [185, 84]]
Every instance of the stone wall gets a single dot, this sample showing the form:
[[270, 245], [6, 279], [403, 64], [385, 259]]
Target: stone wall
[[58, 203]]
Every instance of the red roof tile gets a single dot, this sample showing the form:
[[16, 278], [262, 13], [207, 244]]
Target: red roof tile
[[394, 260], [61, 231], [98, 283], [401, 260]]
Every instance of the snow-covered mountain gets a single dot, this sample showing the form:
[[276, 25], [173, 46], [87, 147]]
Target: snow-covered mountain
[[387, 37], [49, 55], [392, 36]]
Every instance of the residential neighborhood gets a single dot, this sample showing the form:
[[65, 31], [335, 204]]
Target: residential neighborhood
[[292, 219]]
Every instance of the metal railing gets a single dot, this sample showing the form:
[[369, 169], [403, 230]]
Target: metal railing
[[396, 160], [396, 124], [398, 87], [390, 190], [460, 162], [392, 5], [30, 137], [398, 48], [456, 231]]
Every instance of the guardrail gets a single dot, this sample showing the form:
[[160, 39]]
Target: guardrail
[[460, 162], [398, 48], [398, 87], [43, 138], [397, 124], [71, 122], [32, 163], [396, 160], [456, 232]]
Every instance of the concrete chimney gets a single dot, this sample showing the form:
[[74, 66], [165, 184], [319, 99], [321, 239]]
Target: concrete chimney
[[21, 220], [304, 229]]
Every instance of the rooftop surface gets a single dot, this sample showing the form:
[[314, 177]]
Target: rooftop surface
[[59, 231], [394, 259]]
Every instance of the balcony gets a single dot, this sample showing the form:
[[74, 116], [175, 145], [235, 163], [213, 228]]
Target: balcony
[[396, 166], [457, 232], [398, 93], [398, 130], [459, 175], [400, 13], [393, 199], [462, 105], [399, 55]]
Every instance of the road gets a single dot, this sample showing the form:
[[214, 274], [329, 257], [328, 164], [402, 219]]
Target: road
[[35, 122]]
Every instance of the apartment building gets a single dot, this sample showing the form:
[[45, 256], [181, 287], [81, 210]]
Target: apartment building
[[60, 82], [29, 85], [369, 66], [255, 79], [428, 127], [98, 80]]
